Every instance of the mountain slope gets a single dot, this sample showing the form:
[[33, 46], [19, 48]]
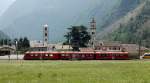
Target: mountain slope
[[136, 28], [3, 35], [26, 17]]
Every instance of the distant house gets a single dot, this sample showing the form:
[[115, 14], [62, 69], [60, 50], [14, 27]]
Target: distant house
[[108, 46], [133, 49], [59, 47], [38, 46], [6, 50]]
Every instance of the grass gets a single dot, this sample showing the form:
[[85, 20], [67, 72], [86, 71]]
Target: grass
[[75, 72]]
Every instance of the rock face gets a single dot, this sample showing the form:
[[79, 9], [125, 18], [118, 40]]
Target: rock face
[[26, 17]]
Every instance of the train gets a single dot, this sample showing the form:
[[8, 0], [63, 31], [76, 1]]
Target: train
[[145, 56], [76, 56]]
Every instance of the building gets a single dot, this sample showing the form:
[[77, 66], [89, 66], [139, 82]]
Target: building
[[7, 50], [93, 33], [108, 46], [45, 35], [134, 50], [37, 46]]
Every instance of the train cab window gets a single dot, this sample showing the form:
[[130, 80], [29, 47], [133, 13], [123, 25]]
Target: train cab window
[[146, 54]]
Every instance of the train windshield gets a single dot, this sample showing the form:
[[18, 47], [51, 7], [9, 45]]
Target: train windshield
[[146, 54]]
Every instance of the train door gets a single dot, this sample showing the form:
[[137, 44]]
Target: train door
[[113, 56], [74, 56]]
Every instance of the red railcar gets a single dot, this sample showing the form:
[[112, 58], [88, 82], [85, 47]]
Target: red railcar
[[76, 56], [112, 56], [42, 56]]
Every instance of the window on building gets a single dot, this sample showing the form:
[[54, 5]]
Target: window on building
[[45, 29], [110, 48], [45, 34], [93, 33], [114, 48], [45, 39]]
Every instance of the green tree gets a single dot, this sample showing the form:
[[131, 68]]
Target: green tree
[[20, 43], [26, 43], [78, 37]]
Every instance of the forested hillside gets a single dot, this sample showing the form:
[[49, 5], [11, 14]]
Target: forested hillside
[[137, 29]]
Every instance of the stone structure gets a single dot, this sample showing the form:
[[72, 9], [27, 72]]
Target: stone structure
[[93, 32]]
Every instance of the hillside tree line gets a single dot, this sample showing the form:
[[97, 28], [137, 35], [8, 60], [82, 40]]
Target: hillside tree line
[[20, 43]]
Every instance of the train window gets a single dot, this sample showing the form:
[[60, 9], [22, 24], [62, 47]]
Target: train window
[[82, 55], [146, 54], [103, 55], [51, 54], [63, 55], [91, 54], [46, 54], [39, 55], [121, 55], [125, 55], [67, 54]]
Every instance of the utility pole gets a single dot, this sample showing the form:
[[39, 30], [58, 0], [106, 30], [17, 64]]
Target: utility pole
[[139, 47], [69, 40], [17, 49]]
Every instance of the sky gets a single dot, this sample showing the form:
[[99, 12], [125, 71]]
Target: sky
[[4, 4]]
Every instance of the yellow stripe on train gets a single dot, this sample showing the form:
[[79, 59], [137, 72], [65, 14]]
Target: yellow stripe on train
[[146, 57]]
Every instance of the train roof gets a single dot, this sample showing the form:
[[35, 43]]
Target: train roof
[[70, 52]]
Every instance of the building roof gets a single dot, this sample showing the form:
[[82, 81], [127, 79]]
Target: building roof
[[86, 50], [7, 48], [105, 43]]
